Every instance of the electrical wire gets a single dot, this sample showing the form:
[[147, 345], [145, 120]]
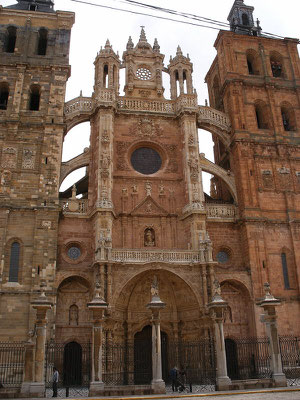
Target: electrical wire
[[205, 20]]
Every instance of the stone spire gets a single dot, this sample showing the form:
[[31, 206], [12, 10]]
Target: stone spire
[[143, 35], [179, 51], [130, 44], [156, 46]]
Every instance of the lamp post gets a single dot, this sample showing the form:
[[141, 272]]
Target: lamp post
[[269, 304], [217, 308], [97, 306], [156, 305]]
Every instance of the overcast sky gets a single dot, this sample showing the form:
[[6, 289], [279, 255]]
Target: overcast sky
[[93, 25]]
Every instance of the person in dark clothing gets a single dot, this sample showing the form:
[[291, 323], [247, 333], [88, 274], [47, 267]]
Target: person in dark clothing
[[55, 381], [173, 374]]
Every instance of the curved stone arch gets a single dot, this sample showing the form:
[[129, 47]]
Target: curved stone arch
[[137, 276], [214, 169], [77, 111], [61, 278], [215, 122], [82, 160], [238, 283]]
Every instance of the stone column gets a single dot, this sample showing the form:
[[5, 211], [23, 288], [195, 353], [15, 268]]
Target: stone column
[[217, 307], [97, 305], [41, 305], [28, 378], [269, 303], [157, 384]]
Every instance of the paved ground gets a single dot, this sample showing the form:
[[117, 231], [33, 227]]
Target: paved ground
[[263, 394]]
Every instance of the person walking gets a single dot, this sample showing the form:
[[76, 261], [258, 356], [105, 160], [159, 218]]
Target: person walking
[[173, 374], [55, 381]]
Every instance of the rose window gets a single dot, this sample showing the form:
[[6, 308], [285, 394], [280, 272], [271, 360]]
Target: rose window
[[143, 73], [74, 252]]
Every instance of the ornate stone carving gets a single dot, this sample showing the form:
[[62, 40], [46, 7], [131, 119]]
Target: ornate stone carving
[[267, 178], [28, 159], [121, 151], [5, 179], [105, 137], [149, 237], [145, 127], [194, 167], [9, 157], [148, 188], [46, 224]]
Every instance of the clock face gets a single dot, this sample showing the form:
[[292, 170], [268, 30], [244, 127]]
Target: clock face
[[143, 73], [145, 160]]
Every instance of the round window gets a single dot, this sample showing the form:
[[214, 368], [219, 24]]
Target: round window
[[146, 160], [74, 252], [222, 257], [143, 73]]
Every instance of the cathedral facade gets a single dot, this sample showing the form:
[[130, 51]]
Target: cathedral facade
[[140, 214]]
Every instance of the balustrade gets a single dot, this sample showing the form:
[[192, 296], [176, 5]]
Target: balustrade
[[214, 117]]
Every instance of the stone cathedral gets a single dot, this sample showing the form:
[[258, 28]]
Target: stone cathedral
[[139, 218]]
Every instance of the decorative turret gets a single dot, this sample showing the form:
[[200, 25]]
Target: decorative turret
[[241, 19], [144, 65], [107, 66], [180, 70]]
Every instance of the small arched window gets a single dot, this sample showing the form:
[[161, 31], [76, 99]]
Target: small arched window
[[262, 116], [245, 20], [14, 262], [11, 39], [277, 65], [285, 271], [105, 76], [177, 83], [288, 118], [42, 42], [184, 82], [4, 93], [34, 100], [253, 63]]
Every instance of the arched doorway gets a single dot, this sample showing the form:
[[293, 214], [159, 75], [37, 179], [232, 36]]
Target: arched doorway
[[72, 374], [143, 356]]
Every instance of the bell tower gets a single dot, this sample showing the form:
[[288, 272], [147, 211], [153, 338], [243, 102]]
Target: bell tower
[[180, 70], [144, 65], [256, 81]]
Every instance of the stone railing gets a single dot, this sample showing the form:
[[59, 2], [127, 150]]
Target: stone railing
[[78, 105], [74, 206], [146, 105], [144, 256], [186, 101], [106, 95], [221, 211], [209, 115]]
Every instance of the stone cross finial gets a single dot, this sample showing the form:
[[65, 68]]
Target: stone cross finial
[[143, 35]]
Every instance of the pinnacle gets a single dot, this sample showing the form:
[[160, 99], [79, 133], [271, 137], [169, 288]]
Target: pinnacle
[[179, 51], [143, 35]]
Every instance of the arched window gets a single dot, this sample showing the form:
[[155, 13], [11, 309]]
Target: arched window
[[11, 39], [42, 42], [4, 92], [34, 100], [277, 65], [288, 118], [105, 76], [285, 271], [245, 20], [216, 93], [14, 262], [177, 83], [184, 82], [253, 63], [262, 116]]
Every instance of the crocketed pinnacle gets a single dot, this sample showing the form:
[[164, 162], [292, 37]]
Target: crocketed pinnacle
[[178, 52], [143, 35], [130, 44], [156, 46]]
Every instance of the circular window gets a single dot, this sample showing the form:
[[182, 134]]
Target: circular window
[[146, 160], [143, 73], [222, 257], [74, 252]]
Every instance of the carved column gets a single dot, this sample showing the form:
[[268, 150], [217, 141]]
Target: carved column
[[41, 305], [157, 384], [97, 306], [268, 304], [217, 307]]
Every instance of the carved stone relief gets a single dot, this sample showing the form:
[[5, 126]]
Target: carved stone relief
[[28, 161], [9, 157], [121, 152], [267, 178], [145, 127], [284, 178]]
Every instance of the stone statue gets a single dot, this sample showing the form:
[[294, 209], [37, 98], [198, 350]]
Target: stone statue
[[154, 287], [149, 238], [217, 287], [148, 188], [161, 190], [134, 188]]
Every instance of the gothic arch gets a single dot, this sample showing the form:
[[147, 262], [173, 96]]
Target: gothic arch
[[82, 160], [214, 169]]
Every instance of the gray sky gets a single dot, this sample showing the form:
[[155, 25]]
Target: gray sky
[[93, 25]]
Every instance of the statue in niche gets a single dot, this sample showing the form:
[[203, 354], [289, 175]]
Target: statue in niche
[[154, 287], [134, 188], [148, 188], [161, 190], [73, 315], [149, 237]]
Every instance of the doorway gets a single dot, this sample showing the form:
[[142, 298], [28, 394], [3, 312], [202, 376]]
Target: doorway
[[232, 359], [72, 373]]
